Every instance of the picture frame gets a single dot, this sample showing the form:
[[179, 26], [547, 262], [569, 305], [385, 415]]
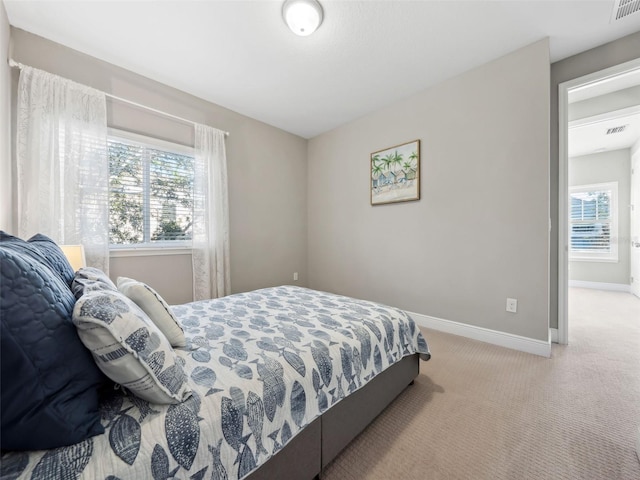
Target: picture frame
[[395, 174]]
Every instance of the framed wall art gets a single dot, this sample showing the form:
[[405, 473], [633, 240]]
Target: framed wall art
[[395, 174]]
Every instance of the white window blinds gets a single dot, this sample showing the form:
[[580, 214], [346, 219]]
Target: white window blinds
[[593, 221], [150, 193]]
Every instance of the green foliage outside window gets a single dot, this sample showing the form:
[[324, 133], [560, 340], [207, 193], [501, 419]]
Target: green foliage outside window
[[150, 194]]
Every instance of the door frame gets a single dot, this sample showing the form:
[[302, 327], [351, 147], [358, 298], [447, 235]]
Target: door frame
[[563, 185], [635, 222]]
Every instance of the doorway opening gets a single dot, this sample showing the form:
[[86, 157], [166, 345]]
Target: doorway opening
[[598, 214]]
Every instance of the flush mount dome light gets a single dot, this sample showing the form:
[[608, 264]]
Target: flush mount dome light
[[303, 17]]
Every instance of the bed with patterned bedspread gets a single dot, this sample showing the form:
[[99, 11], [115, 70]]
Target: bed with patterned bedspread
[[261, 366]]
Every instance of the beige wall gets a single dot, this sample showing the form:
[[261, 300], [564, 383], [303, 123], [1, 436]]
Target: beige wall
[[169, 274], [268, 174], [594, 60], [614, 166], [5, 124], [267, 170], [479, 234]]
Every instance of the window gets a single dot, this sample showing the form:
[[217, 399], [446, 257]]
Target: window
[[150, 192], [593, 219]]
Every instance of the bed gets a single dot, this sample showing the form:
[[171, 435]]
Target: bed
[[268, 384]]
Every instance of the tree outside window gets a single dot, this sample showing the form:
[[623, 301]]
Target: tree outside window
[[150, 194]]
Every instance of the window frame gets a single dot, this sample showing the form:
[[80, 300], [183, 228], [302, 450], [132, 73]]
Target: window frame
[[166, 247], [585, 256]]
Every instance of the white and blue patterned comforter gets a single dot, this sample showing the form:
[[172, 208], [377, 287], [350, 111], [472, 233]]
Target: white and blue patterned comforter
[[262, 365]]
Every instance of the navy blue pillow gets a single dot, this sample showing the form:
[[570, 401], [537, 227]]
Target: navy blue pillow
[[43, 250], [48, 381], [54, 255]]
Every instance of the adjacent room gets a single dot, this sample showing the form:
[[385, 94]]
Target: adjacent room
[[239, 239], [603, 188]]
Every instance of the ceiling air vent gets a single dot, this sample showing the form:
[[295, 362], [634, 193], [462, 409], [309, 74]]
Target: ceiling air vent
[[624, 8], [619, 129]]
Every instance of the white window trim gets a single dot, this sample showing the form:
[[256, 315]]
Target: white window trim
[[156, 248], [612, 256], [152, 142]]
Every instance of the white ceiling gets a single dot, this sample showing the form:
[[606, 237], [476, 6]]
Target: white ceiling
[[588, 136], [592, 134], [366, 54]]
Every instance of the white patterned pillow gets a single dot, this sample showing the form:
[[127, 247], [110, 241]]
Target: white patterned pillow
[[89, 279], [155, 307], [128, 347]]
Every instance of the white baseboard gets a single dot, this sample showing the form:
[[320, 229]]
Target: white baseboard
[[615, 287], [502, 339], [553, 335]]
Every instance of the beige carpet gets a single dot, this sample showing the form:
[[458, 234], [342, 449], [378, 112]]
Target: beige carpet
[[479, 411]]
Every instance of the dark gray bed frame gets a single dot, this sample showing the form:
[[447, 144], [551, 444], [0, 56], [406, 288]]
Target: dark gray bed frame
[[309, 452]]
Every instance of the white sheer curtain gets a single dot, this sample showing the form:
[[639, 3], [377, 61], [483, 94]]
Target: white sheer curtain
[[62, 163], [210, 256]]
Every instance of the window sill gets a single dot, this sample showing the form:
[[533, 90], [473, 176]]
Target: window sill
[[593, 259], [148, 251]]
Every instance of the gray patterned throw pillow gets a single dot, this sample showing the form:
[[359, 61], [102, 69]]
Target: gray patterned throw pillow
[[89, 279], [129, 348], [155, 307]]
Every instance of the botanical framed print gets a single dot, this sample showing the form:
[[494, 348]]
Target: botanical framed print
[[395, 174]]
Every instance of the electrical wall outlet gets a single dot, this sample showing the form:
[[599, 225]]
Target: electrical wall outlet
[[512, 305], [295, 276]]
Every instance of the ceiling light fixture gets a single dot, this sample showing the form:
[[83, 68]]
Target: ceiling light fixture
[[303, 17]]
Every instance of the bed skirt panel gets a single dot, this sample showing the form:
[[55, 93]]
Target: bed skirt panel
[[342, 423]]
